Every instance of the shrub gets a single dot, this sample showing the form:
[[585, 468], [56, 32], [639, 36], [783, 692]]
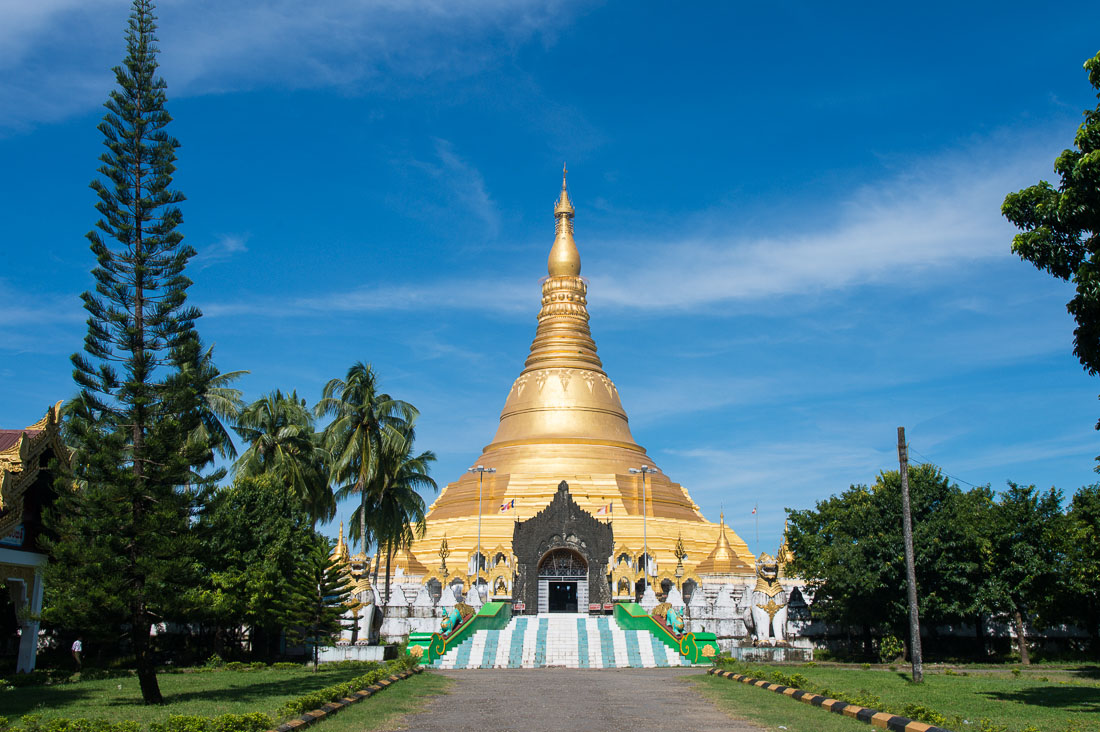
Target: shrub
[[890, 648], [286, 665], [215, 661], [254, 722], [360, 665], [38, 677], [922, 713], [34, 723], [338, 691], [236, 666]]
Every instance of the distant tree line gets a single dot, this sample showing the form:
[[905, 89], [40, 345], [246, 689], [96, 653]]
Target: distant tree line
[[145, 533], [1019, 557]]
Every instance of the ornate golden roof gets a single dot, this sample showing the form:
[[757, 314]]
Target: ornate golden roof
[[20, 453], [722, 558]]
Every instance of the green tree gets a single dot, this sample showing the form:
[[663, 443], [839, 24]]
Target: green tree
[[1082, 581], [850, 550], [278, 431], [323, 589], [255, 535], [399, 509], [123, 548], [1026, 560], [221, 403], [362, 414], [1061, 228]]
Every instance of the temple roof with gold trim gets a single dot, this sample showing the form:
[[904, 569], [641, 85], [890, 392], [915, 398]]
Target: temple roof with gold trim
[[722, 558], [20, 462]]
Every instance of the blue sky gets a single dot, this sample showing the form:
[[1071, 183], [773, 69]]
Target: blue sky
[[789, 216]]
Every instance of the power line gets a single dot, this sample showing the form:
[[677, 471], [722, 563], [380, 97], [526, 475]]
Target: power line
[[940, 468]]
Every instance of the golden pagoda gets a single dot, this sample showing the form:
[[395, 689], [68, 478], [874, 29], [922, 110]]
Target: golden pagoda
[[563, 421]]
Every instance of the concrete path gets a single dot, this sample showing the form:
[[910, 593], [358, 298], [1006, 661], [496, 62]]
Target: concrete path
[[578, 700]]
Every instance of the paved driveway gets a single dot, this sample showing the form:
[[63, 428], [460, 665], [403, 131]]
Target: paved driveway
[[581, 700]]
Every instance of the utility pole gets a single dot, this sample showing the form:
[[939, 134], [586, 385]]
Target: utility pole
[[481, 470], [644, 470], [910, 568]]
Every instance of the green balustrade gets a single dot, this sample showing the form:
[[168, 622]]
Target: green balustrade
[[430, 646], [696, 647]]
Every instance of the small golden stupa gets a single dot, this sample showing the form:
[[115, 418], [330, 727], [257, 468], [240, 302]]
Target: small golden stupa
[[563, 420]]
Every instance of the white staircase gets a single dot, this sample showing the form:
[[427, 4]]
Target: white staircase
[[561, 639]]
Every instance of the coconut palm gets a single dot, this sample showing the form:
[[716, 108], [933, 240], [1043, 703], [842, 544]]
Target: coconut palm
[[278, 430], [221, 404], [399, 509], [362, 415]]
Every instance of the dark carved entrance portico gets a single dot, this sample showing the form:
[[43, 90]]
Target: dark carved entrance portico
[[569, 549]]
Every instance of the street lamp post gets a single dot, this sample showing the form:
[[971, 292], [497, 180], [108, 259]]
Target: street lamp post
[[645, 540], [481, 470]]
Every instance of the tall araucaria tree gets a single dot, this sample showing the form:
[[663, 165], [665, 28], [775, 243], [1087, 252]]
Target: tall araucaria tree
[[123, 545]]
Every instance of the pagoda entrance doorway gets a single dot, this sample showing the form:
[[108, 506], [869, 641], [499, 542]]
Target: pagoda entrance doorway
[[563, 582]]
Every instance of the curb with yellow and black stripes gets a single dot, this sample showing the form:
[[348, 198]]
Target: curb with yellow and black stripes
[[331, 708], [873, 717]]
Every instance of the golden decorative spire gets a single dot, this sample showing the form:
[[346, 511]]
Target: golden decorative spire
[[722, 559], [340, 552], [784, 554], [564, 260], [563, 339]]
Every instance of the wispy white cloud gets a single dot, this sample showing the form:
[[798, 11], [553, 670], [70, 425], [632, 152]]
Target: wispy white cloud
[[38, 322], [221, 249], [900, 230], [461, 186], [929, 215], [503, 296], [56, 55]]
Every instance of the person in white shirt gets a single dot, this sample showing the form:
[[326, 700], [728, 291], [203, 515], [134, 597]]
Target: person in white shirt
[[78, 648]]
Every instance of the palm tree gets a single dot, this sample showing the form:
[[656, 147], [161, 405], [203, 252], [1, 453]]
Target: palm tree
[[362, 415], [221, 404], [398, 507], [279, 432]]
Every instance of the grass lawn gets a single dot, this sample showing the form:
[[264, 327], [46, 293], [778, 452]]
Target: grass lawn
[[769, 709], [384, 710], [206, 694], [1051, 700]]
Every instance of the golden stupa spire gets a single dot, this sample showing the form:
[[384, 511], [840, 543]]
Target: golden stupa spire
[[564, 260], [784, 554], [722, 559], [563, 339], [340, 552]]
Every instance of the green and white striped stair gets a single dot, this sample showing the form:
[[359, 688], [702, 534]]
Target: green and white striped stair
[[561, 640]]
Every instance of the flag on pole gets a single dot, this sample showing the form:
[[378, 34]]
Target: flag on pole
[[508, 506], [754, 510], [604, 510]]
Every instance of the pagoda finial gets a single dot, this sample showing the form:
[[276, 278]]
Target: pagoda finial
[[340, 551], [565, 260]]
